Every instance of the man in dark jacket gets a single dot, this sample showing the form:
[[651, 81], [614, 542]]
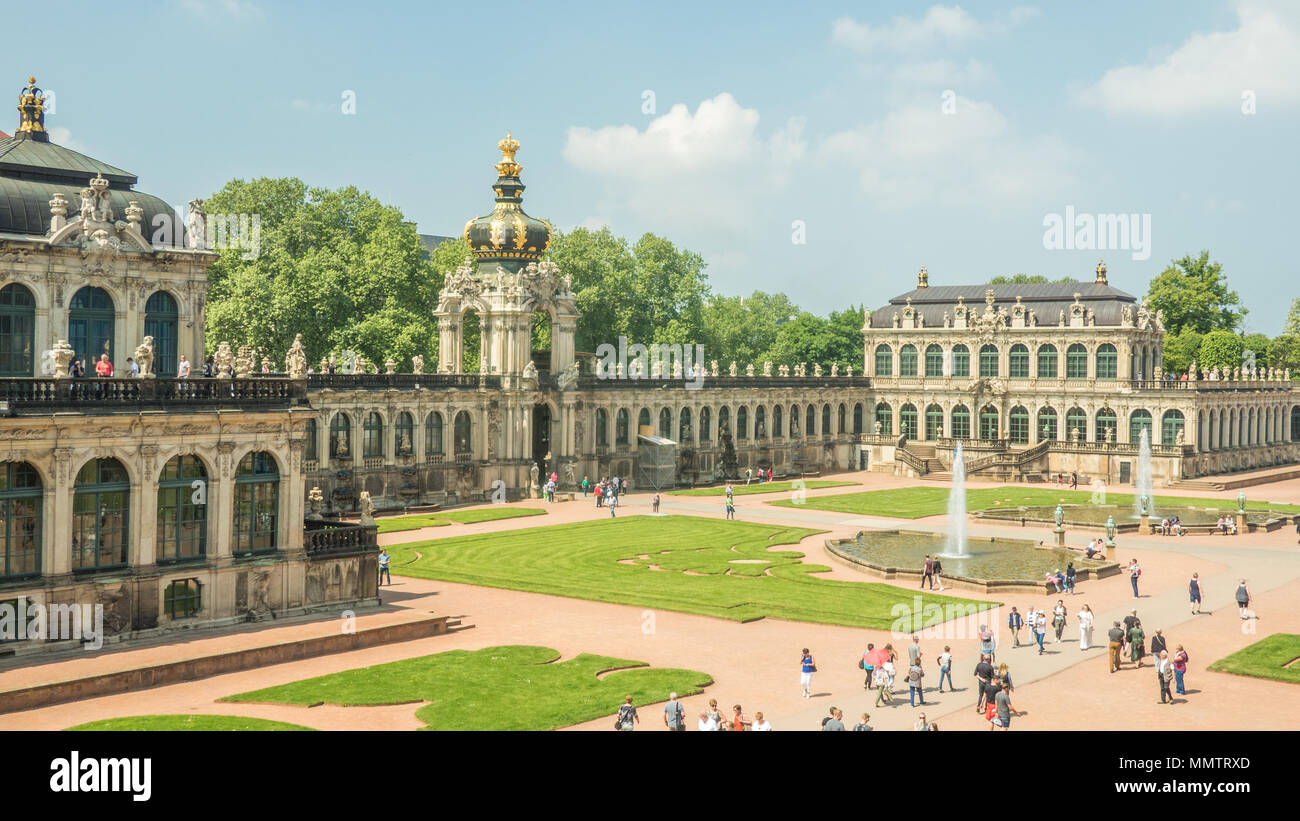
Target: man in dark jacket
[[1116, 636]]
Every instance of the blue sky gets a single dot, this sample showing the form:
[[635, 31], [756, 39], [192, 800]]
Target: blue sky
[[831, 114]]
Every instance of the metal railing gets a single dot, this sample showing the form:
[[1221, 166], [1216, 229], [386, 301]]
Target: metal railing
[[327, 538]]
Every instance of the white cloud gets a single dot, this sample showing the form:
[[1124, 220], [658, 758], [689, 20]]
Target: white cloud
[[238, 10], [918, 156], [1212, 71], [696, 168], [941, 26], [62, 136]]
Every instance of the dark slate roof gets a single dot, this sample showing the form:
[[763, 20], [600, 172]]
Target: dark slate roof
[[1047, 300], [431, 241], [31, 172]]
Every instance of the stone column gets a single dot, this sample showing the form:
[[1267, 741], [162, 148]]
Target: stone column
[[56, 553], [221, 501], [145, 514]]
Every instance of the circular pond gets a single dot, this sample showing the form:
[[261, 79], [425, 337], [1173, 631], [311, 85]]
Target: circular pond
[[1095, 516], [984, 559]]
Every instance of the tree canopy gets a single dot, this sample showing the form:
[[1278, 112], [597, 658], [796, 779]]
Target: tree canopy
[[1193, 293]]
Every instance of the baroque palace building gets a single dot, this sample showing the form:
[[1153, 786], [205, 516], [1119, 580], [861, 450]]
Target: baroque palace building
[[189, 502]]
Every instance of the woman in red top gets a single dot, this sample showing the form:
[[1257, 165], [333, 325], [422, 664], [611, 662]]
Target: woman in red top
[[738, 721], [103, 367]]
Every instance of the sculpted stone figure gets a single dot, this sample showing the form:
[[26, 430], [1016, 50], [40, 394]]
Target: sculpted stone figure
[[767, 369], [244, 362], [749, 369], [417, 364], [367, 509], [835, 369], [390, 366], [879, 427], [534, 489], [732, 369], [144, 358], [530, 370], [1178, 437], [848, 370], [225, 359], [314, 501], [656, 369], [783, 370], [817, 370], [295, 361], [713, 368], [195, 225], [63, 354]]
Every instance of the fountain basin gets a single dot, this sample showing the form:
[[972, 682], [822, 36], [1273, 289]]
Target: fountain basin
[[991, 564], [1093, 517]]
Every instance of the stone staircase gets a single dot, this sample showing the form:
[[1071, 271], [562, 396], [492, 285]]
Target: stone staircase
[[929, 465]]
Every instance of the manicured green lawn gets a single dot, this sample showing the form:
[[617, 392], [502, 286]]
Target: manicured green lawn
[[732, 573], [496, 688], [445, 517], [918, 502], [1265, 658], [741, 489], [188, 722]]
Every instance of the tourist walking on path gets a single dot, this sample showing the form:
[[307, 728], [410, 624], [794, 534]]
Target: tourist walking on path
[[1004, 710], [586, 486], [674, 714], [945, 668], [807, 666], [915, 690], [1158, 644], [938, 573], [1004, 676], [1058, 619], [883, 695], [836, 723], [1194, 593], [1040, 629], [1243, 600], [890, 659], [655, 504], [1129, 621], [1133, 573], [600, 495], [1070, 573], [914, 650], [1137, 643], [863, 726], [868, 664], [983, 675], [1014, 622], [384, 559], [612, 503], [1116, 636], [927, 572], [731, 509], [1180, 669], [1085, 627], [987, 642], [1165, 673], [627, 717]]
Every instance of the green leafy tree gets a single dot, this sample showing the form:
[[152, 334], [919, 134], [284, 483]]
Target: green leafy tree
[[1193, 293], [1292, 325], [337, 266], [1257, 344], [1220, 349], [1026, 279], [1284, 352], [1180, 349], [743, 329]]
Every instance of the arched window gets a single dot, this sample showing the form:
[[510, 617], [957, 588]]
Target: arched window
[[933, 361], [602, 428], [844, 412], [742, 422], [884, 360], [988, 422], [461, 433], [20, 520], [621, 427], [885, 416], [1107, 362], [1138, 421], [760, 422], [684, 431], [794, 421], [907, 361], [90, 326], [1047, 362], [988, 362], [857, 417], [17, 330], [810, 421], [101, 502], [642, 420], [1018, 362], [705, 418], [960, 361], [933, 422], [372, 437], [257, 503], [311, 448], [1076, 362], [666, 423], [826, 429], [160, 322], [1295, 423], [1046, 424], [724, 421], [1106, 423], [961, 422], [433, 434], [340, 436], [182, 509], [907, 421], [1076, 425], [1018, 420], [404, 434], [1170, 424], [778, 430]]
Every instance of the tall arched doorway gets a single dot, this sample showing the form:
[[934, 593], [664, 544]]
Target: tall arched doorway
[[160, 320], [90, 326], [543, 457]]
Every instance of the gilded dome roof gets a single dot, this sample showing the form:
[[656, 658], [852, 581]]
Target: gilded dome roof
[[508, 233]]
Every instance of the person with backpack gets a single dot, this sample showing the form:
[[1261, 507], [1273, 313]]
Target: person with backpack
[[627, 717], [863, 726], [988, 644], [674, 714], [915, 689]]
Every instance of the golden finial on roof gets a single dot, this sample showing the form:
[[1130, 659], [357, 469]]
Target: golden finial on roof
[[1101, 272], [923, 278], [31, 110], [508, 167]]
